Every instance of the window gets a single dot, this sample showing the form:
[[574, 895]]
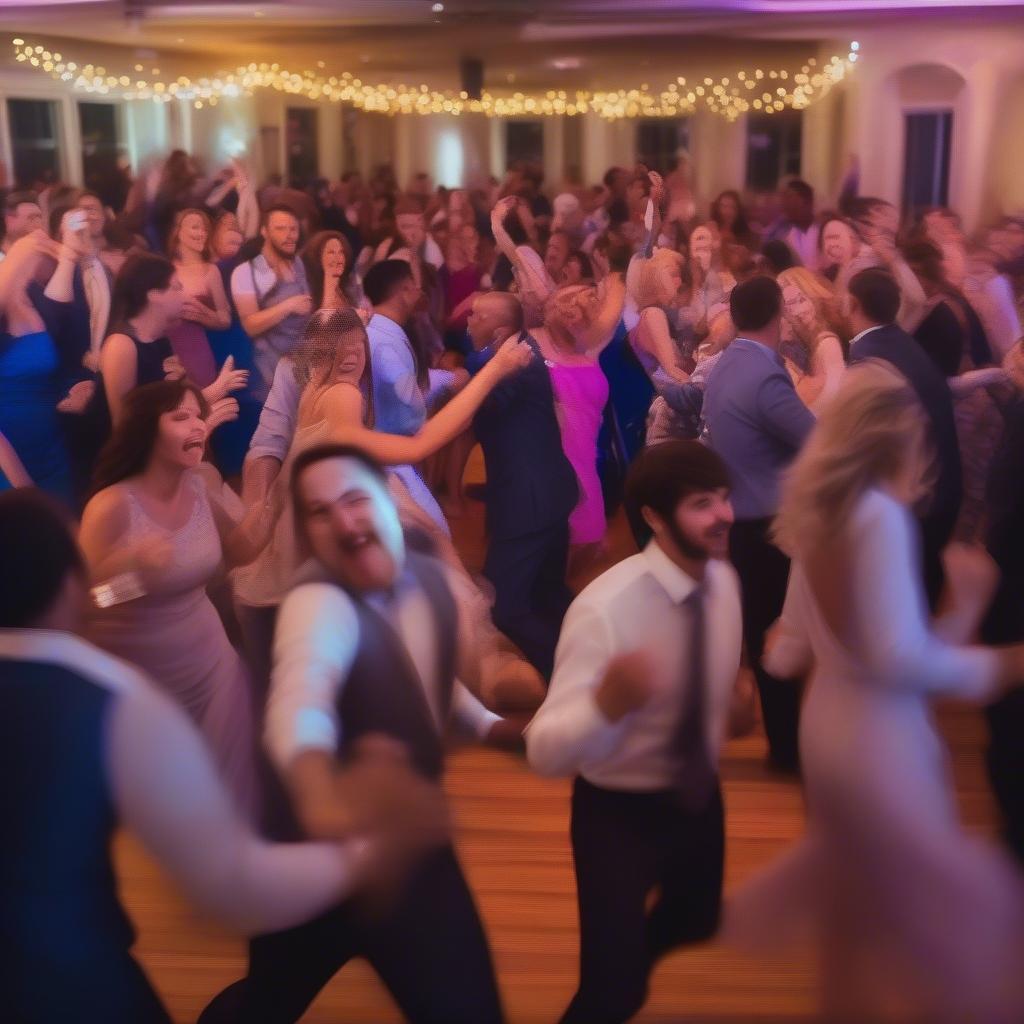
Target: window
[[303, 159], [659, 141], [926, 159], [524, 142], [773, 148], [34, 141], [98, 122]]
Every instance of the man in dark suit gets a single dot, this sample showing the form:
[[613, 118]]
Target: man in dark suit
[[874, 299], [531, 490]]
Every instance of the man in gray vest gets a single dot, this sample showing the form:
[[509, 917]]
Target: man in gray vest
[[271, 293], [367, 643]]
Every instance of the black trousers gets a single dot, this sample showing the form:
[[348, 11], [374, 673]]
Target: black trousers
[[764, 573], [431, 953], [530, 593], [626, 847]]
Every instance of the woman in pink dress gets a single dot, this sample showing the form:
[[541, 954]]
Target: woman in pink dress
[[155, 534], [206, 305], [579, 321]]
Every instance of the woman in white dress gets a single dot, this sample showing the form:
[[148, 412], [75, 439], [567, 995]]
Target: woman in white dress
[[917, 920]]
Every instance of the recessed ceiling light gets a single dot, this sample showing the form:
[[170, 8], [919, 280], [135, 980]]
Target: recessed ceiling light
[[365, 58], [438, 8], [180, 40], [566, 63]]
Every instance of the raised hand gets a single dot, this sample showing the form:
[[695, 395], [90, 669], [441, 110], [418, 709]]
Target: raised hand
[[173, 368], [971, 576], [222, 411], [513, 355], [78, 397], [228, 380]]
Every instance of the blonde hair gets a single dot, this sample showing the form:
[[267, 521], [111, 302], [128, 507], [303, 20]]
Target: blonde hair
[[561, 304], [820, 295], [871, 432], [647, 279]]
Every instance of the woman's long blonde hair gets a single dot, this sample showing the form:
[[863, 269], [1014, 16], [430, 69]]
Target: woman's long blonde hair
[[872, 432], [818, 292]]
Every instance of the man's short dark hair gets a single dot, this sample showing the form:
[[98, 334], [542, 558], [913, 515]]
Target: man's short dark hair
[[320, 453], [278, 208], [802, 189], [384, 279], [877, 294], [37, 552], [755, 303], [662, 475], [778, 256]]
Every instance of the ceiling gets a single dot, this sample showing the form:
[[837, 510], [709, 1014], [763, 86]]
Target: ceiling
[[523, 43]]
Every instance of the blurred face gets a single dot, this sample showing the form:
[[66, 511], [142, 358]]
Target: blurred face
[[793, 205], [26, 218], [469, 238], [699, 527], [483, 322], [954, 263], [226, 242], [838, 243], [798, 308], [351, 524], [572, 273], [673, 281], [351, 362], [728, 209], [167, 302], [635, 192], [555, 255], [193, 234], [282, 234], [94, 213], [411, 229], [885, 219], [702, 246], [181, 434], [332, 259]]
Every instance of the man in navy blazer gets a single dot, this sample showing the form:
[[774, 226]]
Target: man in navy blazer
[[874, 299], [531, 490]]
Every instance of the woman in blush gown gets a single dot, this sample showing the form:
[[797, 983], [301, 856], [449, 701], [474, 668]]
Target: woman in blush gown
[[157, 531], [579, 321], [916, 920]]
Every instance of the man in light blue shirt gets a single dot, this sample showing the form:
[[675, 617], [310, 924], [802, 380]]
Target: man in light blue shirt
[[757, 423]]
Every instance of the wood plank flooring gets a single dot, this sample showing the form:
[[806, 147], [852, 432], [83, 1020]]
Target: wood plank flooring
[[513, 840]]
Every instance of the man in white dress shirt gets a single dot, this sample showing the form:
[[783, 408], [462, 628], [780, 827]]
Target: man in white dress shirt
[[637, 711], [367, 644]]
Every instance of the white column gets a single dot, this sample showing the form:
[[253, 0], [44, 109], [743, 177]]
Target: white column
[[596, 159], [329, 154], [554, 152], [972, 146]]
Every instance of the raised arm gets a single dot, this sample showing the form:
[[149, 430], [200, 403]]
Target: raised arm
[[655, 339], [169, 795], [612, 295], [344, 412]]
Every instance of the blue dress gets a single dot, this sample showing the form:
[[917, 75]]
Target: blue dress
[[230, 442], [30, 388]]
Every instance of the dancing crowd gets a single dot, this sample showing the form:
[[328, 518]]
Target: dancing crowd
[[234, 426]]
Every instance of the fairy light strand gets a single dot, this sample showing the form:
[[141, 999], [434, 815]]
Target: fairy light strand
[[730, 96]]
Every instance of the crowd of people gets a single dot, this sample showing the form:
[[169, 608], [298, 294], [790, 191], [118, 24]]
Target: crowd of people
[[234, 426]]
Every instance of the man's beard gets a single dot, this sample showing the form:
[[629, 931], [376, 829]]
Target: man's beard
[[685, 543], [282, 253]]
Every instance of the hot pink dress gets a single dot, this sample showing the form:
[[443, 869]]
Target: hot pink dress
[[581, 393]]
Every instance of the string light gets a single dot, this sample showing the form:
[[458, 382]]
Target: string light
[[719, 96]]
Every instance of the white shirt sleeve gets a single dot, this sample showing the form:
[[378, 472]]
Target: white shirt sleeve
[[569, 730], [276, 428], [167, 792], [242, 280], [470, 714], [315, 643], [791, 655], [893, 634]]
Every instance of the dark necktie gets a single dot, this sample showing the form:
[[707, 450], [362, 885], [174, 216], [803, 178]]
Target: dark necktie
[[697, 777]]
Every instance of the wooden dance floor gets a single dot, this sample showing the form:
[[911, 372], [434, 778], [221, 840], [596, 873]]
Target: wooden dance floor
[[512, 835]]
